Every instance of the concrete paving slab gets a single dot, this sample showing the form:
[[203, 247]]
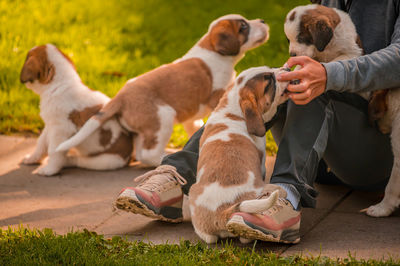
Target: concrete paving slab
[[341, 233], [78, 199], [359, 200], [13, 143]]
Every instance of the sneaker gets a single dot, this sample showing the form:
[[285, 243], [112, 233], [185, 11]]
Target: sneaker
[[280, 223], [158, 195]]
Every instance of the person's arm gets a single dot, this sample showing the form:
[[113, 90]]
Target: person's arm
[[379, 70]]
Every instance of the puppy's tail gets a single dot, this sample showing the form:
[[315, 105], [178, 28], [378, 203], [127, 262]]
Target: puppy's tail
[[259, 205], [91, 126], [250, 206]]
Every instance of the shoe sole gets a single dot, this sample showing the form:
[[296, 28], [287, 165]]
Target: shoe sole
[[238, 226], [132, 204]]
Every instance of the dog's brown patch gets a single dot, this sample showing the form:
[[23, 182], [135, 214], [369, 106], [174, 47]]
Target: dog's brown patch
[[184, 86], [80, 117], [105, 137], [378, 105], [234, 117], [123, 145], [317, 26], [255, 98], [213, 129], [239, 80], [37, 66], [359, 43], [215, 97], [223, 102], [226, 37], [292, 16], [228, 162]]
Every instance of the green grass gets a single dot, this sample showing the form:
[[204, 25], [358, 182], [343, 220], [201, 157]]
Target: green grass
[[23, 246], [126, 36]]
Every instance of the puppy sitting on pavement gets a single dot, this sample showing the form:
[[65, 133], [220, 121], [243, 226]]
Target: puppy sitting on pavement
[[183, 91], [65, 105], [231, 166]]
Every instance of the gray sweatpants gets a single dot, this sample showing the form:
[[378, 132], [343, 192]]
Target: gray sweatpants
[[333, 127]]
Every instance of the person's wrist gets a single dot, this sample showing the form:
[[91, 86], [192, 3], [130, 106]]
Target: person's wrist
[[335, 76], [326, 78]]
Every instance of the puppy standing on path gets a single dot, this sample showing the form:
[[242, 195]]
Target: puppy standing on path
[[231, 166], [65, 105], [183, 91], [384, 107]]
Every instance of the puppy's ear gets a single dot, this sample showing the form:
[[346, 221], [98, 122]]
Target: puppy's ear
[[30, 70], [224, 39], [227, 44], [37, 67], [321, 33], [47, 73], [254, 121]]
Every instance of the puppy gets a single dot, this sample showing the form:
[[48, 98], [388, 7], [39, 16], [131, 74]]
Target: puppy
[[231, 165], [384, 108], [182, 91], [322, 33], [65, 105]]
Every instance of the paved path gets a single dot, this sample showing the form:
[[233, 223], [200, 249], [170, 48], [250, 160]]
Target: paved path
[[78, 199]]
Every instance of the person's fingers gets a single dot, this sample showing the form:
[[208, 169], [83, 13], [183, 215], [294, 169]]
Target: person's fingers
[[297, 88], [300, 96], [297, 60], [288, 76]]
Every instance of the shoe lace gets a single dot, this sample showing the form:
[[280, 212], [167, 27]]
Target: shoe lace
[[160, 176]]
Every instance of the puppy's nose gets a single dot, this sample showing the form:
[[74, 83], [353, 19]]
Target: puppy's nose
[[262, 21], [292, 54]]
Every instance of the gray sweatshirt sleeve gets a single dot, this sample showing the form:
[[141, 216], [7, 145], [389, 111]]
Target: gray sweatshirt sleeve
[[378, 70]]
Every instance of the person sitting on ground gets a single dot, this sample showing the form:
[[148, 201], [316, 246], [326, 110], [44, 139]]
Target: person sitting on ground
[[324, 121]]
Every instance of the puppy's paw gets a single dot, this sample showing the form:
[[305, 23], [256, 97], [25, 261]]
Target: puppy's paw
[[47, 170], [29, 159], [210, 239], [244, 240], [379, 210]]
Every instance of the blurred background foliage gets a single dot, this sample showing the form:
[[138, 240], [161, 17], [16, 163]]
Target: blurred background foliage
[[112, 41]]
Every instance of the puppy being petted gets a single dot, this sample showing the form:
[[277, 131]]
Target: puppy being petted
[[231, 165]]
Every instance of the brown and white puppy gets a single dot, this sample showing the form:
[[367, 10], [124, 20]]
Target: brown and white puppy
[[384, 107], [231, 165], [183, 91], [65, 105], [325, 34]]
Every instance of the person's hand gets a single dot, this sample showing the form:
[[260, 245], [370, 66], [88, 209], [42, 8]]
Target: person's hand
[[312, 77]]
